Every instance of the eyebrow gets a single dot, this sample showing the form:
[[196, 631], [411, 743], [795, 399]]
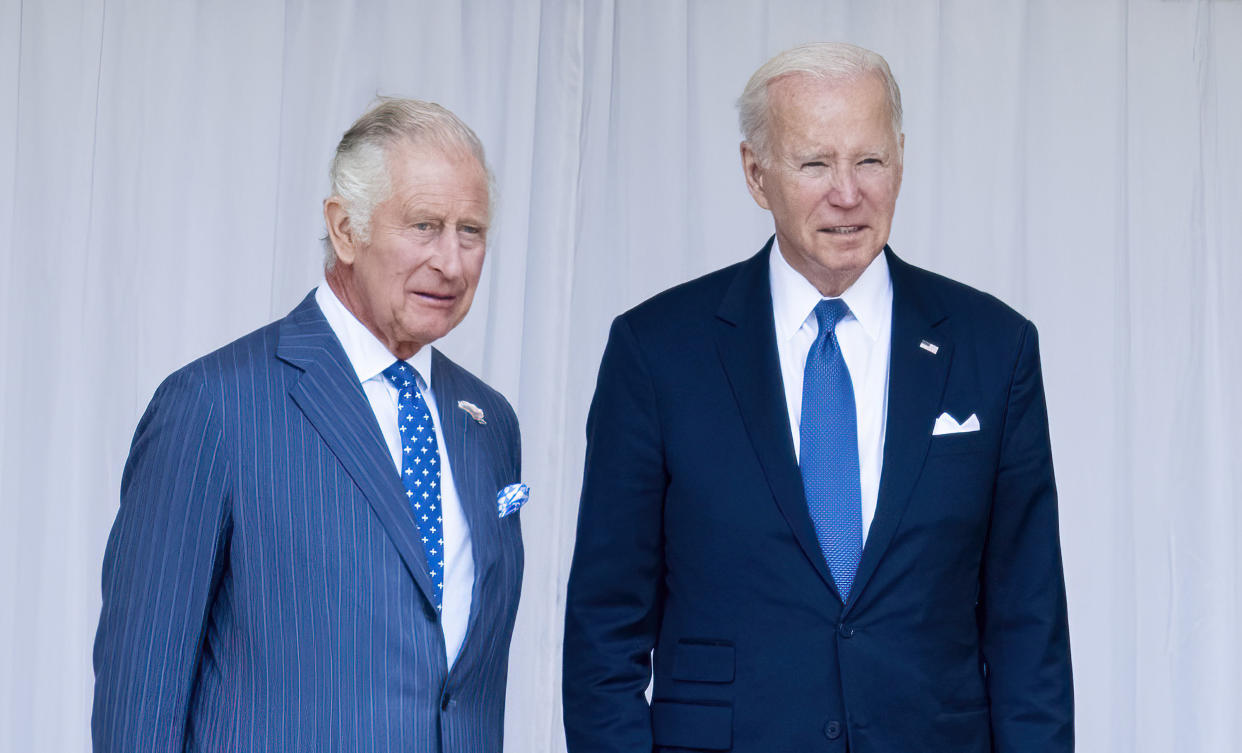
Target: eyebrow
[[813, 157], [421, 210]]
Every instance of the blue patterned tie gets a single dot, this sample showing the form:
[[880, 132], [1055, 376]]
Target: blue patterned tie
[[829, 449], [420, 469]]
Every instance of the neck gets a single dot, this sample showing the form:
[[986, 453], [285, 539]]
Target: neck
[[831, 283]]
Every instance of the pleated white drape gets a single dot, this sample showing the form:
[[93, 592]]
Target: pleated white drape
[[162, 166]]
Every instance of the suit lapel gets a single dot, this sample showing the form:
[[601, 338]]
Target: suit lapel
[[329, 394], [746, 341], [916, 384], [466, 453]]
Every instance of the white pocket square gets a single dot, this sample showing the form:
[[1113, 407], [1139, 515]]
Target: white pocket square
[[511, 498], [947, 425]]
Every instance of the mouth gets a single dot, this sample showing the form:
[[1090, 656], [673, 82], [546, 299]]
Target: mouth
[[843, 229], [434, 298]]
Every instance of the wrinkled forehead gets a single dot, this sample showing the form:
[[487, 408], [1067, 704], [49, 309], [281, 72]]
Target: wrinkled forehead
[[429, 166], [805, 107], [805, 90]]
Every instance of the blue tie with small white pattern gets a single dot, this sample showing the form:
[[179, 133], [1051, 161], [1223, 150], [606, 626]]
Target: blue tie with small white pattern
[[829, 449], [420, 469]]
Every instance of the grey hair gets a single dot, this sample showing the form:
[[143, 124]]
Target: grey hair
[[359, 174], [823, 60]]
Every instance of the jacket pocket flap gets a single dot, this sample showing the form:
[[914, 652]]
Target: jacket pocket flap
[[692, 725]]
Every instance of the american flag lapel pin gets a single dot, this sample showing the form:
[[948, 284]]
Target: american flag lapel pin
[[932, 348]]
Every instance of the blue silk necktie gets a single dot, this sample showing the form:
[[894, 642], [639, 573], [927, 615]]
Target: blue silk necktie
[[420, 469], [829, 449]]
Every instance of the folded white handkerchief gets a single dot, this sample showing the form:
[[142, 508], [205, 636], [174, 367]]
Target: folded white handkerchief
[[947, 425], [511, 498]]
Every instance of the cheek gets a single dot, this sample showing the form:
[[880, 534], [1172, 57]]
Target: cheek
[[380, 284], [473, 264], [882, 195], [385, 272], [789, 202], [805, 196]]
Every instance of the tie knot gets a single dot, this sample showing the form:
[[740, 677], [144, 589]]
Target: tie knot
[[401, 374], [829, 312]]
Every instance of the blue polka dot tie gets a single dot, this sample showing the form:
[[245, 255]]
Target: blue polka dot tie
[[829, 449], [420, 469]]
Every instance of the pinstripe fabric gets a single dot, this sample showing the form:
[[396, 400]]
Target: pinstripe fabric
[[263, 588]]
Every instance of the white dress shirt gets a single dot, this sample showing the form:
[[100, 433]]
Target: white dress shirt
[[370, 357], [864, 339]]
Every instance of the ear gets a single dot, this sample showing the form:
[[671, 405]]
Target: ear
[[344, 241], [754, 175]]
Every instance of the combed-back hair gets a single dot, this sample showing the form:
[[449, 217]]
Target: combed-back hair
[[824, 60], [359, 173]]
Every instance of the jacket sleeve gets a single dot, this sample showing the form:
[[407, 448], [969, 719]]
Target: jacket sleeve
[[163, 561], [1022, 611], [615, 584]]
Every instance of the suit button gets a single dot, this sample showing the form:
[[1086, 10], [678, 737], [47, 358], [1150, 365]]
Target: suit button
[[446, 702], [845, 631], [832, 730]]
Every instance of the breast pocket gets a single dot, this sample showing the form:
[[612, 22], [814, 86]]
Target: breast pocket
[[954, 444]]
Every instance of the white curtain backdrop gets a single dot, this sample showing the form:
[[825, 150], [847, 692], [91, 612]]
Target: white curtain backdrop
[[161, 171]]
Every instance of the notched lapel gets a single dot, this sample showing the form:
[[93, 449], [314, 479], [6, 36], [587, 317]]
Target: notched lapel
[[746, 342], [467, 451], [470, 447], [916, 384], [329, 395]]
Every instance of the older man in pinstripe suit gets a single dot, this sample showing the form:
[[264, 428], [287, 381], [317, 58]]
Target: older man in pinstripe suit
[[309, 553]]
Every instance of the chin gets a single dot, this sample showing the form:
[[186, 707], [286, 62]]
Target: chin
[[428, 330], [843, 259]]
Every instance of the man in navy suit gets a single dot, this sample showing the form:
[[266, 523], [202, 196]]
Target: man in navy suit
[[818, 502], [314, 549]]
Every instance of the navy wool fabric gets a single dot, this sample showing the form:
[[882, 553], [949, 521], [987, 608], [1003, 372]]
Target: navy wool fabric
[[695, 541], [264, 587]]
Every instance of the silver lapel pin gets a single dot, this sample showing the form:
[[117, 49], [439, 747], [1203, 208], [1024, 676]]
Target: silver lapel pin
[[475, 411]]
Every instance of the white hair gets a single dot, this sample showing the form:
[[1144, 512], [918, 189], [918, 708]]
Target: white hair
[[823, 60], [359, 174]]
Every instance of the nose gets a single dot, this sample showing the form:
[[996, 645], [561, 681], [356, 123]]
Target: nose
[[844, 191], [446, 258]]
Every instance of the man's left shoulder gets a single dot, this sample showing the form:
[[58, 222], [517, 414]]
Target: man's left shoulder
[[966, 309], [469, 392]]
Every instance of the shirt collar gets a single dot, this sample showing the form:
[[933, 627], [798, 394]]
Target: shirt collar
[[365, 352], [794, 297]]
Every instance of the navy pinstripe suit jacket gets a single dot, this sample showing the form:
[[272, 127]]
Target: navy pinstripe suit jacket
[[263, 587]]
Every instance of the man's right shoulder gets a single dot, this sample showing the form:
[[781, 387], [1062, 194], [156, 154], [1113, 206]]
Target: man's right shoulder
[[233, 364], [685, 308]]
